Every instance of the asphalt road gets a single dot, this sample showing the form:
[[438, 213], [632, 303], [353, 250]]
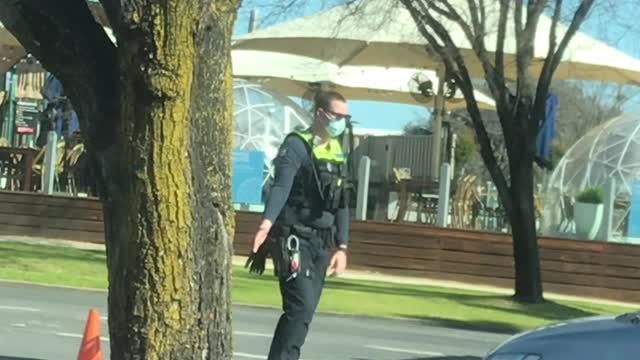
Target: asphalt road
[[43, 323]]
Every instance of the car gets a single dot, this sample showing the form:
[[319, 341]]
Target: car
[[606, 337]]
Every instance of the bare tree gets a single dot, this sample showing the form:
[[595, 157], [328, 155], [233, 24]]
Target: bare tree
[[584, 106], [520, 110], [156, 115]]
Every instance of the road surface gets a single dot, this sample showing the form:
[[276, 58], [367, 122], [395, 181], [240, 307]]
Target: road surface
[[46, 323]]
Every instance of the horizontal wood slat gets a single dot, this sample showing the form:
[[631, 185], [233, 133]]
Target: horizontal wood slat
[[49, 200], [583, 268], [52, 223], [42, 210]]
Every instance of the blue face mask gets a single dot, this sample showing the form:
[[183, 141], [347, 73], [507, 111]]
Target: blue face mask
[[336, 127]]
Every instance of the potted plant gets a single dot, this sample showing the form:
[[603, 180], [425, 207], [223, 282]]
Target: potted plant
[[588, 212]]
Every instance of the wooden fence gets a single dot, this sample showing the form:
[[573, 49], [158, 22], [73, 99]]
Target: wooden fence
[[584, 268], [70, 218]]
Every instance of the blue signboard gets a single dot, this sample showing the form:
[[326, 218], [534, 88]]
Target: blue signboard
[[634, 214], [247, 175]]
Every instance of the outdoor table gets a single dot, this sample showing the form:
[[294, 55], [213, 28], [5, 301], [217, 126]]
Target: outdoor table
[[19, 160]]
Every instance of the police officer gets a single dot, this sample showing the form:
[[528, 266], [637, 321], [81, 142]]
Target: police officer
[[307, 212]]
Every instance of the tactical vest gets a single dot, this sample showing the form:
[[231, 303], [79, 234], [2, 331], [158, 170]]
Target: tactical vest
[[319, 184]]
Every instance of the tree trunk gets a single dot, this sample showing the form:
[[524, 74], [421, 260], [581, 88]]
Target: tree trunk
[[528, 282], [170, 225], [157, 114]]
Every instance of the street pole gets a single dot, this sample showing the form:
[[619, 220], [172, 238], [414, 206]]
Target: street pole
[[443, 198], [253, 20], [50, 157], [436, 123], [364, 170], [12, 109]]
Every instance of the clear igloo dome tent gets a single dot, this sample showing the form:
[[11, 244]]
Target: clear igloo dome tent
[[261, 120], [611, 150]]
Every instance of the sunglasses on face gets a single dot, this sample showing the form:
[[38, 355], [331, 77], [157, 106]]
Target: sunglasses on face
[[337, 116]]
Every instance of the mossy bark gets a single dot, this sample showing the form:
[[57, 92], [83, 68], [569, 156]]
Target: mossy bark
[[171, 226], [156, 115]]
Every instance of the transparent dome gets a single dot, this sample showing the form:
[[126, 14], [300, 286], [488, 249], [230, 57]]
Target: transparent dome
[[611, 150], [262, 118]]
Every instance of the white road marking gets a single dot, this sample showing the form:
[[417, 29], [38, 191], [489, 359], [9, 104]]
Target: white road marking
[[248, 333], [245, 355], [79, 336], [406, 351], [248, 356], [104, 318], [20, 325], [18, 308]]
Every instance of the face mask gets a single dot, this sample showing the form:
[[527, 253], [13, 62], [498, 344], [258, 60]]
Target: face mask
[[336, 127]]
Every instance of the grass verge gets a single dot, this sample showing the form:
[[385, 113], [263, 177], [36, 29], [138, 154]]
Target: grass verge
[[66, 266]]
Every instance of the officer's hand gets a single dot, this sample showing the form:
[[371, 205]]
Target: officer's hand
[[338, 263], [256, 262], [261, 235]]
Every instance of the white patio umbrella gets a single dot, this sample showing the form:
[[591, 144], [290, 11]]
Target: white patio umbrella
[[294, 75], [383, 33], [10, 49]]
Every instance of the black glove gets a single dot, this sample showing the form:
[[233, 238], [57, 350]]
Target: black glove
[[257, 260]]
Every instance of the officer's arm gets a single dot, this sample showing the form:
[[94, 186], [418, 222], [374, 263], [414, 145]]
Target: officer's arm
[[289, 159], [342, 222]]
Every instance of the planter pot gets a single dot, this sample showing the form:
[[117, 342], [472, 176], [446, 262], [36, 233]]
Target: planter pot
[[588, 218]]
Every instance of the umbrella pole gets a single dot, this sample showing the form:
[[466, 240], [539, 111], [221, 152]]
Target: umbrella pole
[[436, 123], [10, 126]]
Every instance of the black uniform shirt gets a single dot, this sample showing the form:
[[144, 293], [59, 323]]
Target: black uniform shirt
[[291, 156]]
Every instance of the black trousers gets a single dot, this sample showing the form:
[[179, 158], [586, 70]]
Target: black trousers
[[300, 297]]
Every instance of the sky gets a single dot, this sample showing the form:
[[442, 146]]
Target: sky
[[381, 115]]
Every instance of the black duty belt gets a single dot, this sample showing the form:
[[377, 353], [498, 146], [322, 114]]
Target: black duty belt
[[305, 232]]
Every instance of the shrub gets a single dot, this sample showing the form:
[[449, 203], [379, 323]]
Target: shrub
[[591, 196]]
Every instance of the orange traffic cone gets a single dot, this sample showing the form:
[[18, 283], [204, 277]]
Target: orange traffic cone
[[90, 346]]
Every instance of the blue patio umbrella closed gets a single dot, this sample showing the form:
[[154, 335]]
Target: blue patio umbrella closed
[[545, 135]]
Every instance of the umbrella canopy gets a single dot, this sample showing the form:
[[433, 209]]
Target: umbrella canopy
[[383, 33], [10, 49], [293, 75]]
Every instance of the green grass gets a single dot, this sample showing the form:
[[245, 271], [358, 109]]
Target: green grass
[[441, 306]]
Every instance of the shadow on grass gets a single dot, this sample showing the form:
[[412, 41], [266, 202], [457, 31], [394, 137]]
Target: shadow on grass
[[17, 250], [495, 327], [548, 310]]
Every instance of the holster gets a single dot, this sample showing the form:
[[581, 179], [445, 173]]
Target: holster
[[312, 240]]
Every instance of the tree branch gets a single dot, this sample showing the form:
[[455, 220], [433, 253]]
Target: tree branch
[[476, 39], [551, 62], [483, 18], [517, 11], [68, 41], [450, 54], [499, 53], [113, 9], [534, 10], [525, 52], [475, 19], [536, 122], [496, 83]]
